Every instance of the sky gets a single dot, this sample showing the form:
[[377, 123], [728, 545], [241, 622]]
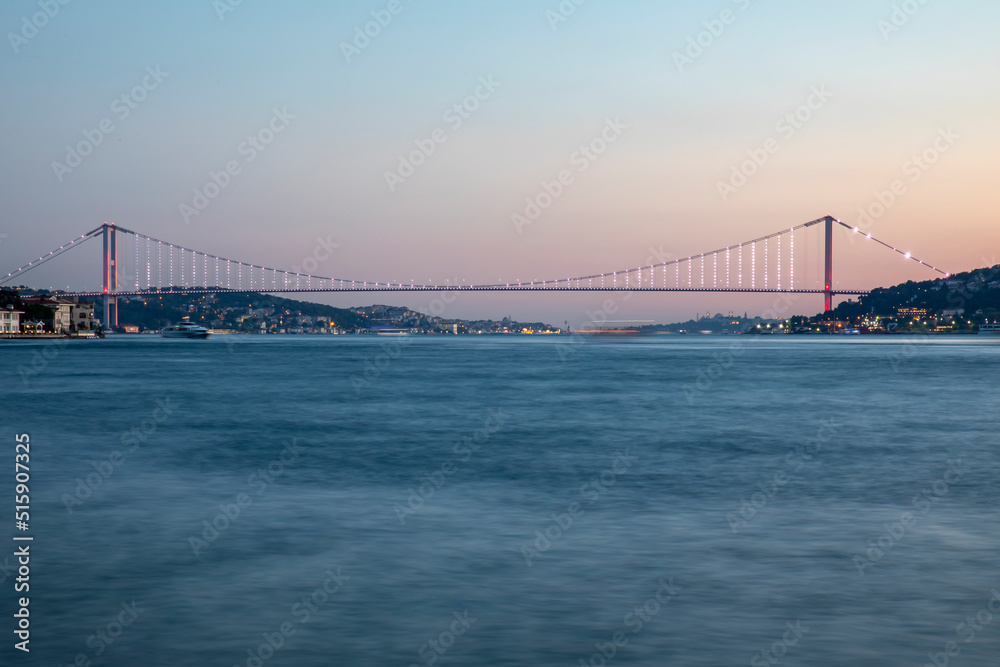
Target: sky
[[164, 95]]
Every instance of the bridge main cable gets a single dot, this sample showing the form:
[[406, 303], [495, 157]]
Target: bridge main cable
[[703, 254], [518, 285], [906, 255], [66, 247], [708, 283], [230, 261]]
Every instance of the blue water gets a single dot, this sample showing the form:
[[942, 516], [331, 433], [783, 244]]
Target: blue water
[[409, 477]]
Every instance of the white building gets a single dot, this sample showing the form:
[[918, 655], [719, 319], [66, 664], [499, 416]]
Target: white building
[[82, 315], [10, 320]]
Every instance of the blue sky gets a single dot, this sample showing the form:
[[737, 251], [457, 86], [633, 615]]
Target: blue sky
[[556, 85]]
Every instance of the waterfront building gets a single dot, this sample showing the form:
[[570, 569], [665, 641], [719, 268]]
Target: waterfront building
[[912, 313], [68, 315], [10, 320]]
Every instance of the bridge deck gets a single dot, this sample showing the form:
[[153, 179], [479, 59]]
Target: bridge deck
[[473, 288]]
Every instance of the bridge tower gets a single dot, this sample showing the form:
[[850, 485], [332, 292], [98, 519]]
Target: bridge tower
[[828, 281], [110, 276]]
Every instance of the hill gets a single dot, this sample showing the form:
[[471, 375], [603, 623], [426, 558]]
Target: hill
[[976, 293], [248, 312]]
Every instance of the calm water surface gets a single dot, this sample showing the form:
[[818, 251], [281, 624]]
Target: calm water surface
[[508, 501]]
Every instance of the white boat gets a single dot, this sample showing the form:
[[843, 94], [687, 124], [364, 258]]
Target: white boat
[[989, 329], [185, 330]]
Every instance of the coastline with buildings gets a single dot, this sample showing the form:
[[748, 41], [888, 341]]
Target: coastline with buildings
[[35, 315], [959, 304], [46, 316]]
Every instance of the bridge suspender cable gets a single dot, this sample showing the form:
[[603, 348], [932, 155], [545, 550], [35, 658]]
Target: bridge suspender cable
[[258, 278]]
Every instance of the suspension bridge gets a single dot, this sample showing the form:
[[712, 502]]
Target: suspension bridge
[[135, 264]]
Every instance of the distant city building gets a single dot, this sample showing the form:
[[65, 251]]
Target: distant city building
[[915, 313]]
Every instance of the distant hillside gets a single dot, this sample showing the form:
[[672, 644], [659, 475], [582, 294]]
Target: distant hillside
[[976, 292], [262, 313], [718, 323], [156, 311]]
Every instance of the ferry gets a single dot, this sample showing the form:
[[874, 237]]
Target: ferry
[[393, 332], [185, 330], [608, 332], [989, 329]]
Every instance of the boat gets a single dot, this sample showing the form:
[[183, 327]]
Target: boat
[[185, 330], [989, 329], [608, 332]]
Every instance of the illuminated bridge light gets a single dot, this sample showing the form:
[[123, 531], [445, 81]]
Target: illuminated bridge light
[[785, 278]]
